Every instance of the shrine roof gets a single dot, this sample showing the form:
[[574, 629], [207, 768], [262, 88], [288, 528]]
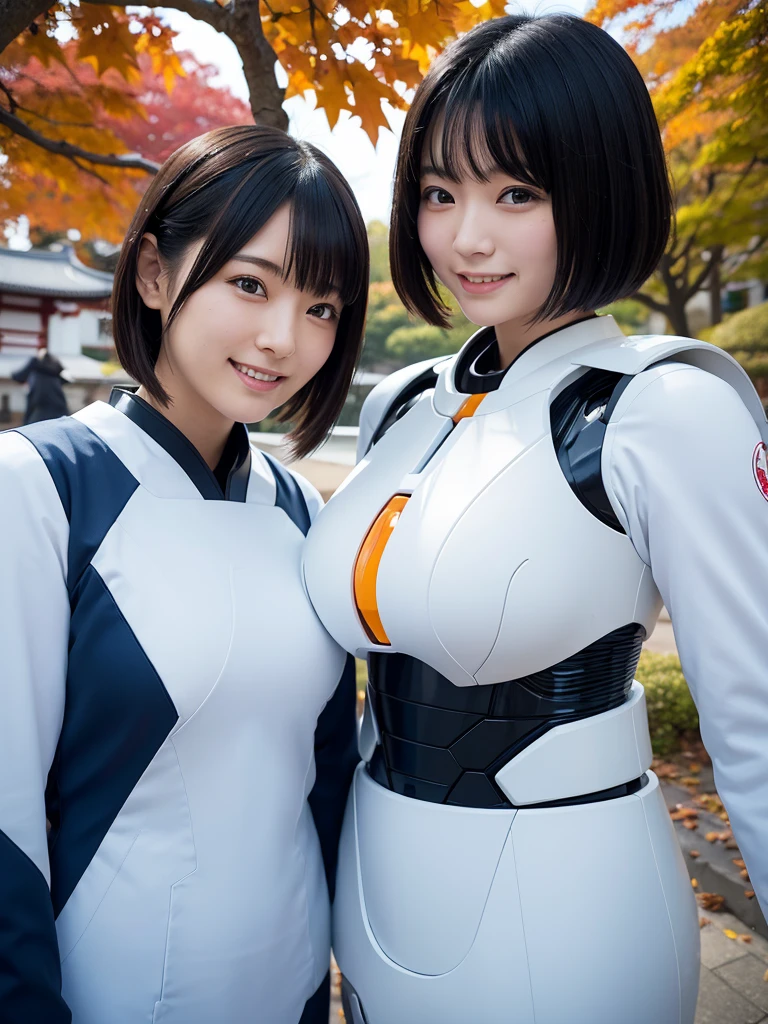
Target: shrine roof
[[58, 274]]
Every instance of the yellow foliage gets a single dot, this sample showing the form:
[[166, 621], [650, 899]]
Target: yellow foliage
[[314, 45]]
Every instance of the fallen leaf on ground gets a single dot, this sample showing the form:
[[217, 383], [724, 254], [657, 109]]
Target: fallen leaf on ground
[[694, 854], [744, 873], [703, 921], [711, 837], [749, 893], [711, 900], [690, 824], [694, 883], [739, 862], [765, 976], [694, 768], [729, 933], [681, 813], [690, 780], [744, 938], [711, 802]]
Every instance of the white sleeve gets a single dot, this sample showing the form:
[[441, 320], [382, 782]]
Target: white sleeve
[[678, 464], [34, 629]]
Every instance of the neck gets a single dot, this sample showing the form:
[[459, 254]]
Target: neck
[[515, 335], [200, 423]]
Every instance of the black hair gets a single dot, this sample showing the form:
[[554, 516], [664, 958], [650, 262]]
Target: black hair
[[558, 104], [223, 187]]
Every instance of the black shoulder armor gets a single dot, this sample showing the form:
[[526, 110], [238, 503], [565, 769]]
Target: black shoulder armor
[[579, 417]]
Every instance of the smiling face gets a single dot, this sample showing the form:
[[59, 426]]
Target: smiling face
[[245, 341], [492, 244]]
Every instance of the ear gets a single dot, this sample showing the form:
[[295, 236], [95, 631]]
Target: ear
[[150, 273]]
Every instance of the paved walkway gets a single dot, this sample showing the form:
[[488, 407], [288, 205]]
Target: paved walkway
[[734, 969], [733, 988]]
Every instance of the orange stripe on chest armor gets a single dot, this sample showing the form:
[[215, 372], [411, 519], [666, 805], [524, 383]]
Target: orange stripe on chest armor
[[469, 408], [367, 567]]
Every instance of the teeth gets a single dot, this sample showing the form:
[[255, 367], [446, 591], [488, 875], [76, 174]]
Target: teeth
[[483, 280], [254, 373]]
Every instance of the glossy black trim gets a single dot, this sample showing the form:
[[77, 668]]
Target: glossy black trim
[[444, 743], [404, 400], [477, 369], [579, 417], [351, 1005], [234, 467], [624, 789]]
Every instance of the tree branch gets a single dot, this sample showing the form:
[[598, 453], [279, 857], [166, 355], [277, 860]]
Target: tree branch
[[71, 152], [652, 303], [202, 10], [241, 21], [16, 15], [696, 284]]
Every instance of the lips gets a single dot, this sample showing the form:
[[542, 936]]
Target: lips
[[481, 284], [255, 377]]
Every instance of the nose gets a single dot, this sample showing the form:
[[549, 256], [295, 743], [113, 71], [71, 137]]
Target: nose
[[472, 237], [276, 335]]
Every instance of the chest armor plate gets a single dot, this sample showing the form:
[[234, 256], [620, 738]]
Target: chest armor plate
[[494, 570]]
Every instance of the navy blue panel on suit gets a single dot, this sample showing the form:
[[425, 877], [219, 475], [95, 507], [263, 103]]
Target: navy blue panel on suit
[[318, 1006], [335, 758], [98, 765], [30, 975], [93, 484], [289, 496]]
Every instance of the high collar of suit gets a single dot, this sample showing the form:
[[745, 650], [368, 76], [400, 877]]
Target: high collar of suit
[[478, 366], [227, 482]]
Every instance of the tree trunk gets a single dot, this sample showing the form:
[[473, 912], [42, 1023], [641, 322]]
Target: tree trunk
[[258, 57], [16, 15], [715, 286], [677, 316]]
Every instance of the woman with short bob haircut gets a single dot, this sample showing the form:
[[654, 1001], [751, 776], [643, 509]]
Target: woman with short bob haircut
[[548, 101], [186, 725], [521, 511]]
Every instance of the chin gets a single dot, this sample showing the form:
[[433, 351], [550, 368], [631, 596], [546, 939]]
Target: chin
[[481, 317], [248, 411]]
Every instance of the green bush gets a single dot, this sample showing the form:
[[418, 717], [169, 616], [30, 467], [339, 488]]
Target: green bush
[[422, 341], [745, 336], [671, 711]]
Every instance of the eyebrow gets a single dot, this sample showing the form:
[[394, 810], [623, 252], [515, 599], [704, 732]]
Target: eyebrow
[[439, 172], [259, 262]]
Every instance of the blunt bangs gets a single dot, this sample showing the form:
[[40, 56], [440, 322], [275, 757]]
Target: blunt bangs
[[555, 103], [324, 253], [223, 188]]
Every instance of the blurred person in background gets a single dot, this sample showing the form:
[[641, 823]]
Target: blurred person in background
[[44, 376]]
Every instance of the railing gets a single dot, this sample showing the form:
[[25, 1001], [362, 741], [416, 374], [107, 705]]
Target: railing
[[19, 337]]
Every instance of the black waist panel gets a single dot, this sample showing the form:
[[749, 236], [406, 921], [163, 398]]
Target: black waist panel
[[445, 743]]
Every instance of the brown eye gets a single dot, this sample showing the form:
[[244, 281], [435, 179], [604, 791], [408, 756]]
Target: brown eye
[[440, 196], [323, 311], [517, 196], [249, 285]]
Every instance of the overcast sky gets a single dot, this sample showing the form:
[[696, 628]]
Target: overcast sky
[[369, 171]]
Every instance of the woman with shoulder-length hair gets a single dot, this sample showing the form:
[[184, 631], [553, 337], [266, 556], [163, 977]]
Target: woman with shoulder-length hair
[[169, 701], [503, 549]]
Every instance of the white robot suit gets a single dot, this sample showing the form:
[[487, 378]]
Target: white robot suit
[[499, 554]]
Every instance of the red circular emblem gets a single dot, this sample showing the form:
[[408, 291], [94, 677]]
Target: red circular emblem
[[760, 468]]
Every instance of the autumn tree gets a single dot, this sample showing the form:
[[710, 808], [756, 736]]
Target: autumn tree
[[708, 78], [63, 93], [353, 57]]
